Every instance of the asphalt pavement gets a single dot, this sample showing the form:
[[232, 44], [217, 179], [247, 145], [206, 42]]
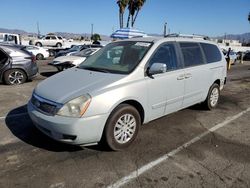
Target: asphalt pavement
[[189, 148]]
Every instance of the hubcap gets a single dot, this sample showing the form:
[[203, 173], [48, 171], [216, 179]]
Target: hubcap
[[214, 97], [125, 128], [16, 77]]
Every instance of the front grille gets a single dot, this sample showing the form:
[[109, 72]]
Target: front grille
[[44, 106]]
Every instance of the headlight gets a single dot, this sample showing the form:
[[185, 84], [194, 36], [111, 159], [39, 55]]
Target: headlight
[[76, 107]]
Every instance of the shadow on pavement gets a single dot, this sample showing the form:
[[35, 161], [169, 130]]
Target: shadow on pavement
[[22, 127], [48, 74]]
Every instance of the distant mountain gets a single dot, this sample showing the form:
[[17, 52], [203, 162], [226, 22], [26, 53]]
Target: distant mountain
[[14, 31], [243, 38], [63, 34]]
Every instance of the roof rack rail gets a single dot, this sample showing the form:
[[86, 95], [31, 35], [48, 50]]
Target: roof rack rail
[[193, 36]]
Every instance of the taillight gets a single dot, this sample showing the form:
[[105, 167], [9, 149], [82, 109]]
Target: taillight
[[32, 58]]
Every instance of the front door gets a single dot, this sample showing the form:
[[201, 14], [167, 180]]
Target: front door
[[166, 90]]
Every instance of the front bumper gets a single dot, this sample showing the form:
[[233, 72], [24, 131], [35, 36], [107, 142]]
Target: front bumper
[[78, 131]]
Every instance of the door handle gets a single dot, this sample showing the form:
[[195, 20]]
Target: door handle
[[181, 77], [188, 75]]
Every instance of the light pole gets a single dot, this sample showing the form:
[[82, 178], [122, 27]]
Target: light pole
[[92, 28]]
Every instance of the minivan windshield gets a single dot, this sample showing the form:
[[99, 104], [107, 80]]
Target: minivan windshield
[[119, 57]]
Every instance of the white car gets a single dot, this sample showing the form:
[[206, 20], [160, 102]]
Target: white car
[[50, 40], [39, 52], [74, 59]]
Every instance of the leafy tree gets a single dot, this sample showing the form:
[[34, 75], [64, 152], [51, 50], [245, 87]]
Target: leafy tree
[[122, 6], [96, 37]]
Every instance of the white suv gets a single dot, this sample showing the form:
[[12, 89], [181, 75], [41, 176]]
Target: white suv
[[50, 40], [125, 84]]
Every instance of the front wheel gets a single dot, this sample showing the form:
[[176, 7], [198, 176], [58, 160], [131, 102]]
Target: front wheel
[[212, 97], [14, 77], [122, 127]]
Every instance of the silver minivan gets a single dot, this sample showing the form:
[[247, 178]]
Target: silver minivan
[[126, 84]]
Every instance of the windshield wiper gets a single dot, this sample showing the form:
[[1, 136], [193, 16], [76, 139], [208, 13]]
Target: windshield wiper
[[96, 69]]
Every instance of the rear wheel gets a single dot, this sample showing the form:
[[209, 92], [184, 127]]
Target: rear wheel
[[39, 57], [122, 127], [212, 97], [58, 45], [39, 44], [14, 77]]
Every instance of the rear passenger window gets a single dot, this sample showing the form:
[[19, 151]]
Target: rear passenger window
[[166, 55], [211, 52], [192, 54]]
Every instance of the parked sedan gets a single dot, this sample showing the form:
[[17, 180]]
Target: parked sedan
[[16, 65], [39, 52], [72, 60], [76, 48]]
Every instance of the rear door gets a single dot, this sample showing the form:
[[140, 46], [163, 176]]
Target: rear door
[[166, 90], [4, 60], [197, 73], [46, 41]]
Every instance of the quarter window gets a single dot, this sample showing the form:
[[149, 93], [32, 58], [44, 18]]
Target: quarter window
[[212, 53], [166, 55], [192, 54]]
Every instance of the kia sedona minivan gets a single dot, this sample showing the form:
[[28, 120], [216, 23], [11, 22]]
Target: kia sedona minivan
[[126, 84]]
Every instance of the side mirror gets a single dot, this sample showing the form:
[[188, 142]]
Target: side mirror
[[157, 68]]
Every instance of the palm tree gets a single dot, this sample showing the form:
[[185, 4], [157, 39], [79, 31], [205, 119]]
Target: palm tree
[[139, 4], [249, 17], [122, 6], [132, 9]]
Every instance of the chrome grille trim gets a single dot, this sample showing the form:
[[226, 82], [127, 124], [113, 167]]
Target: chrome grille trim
[[45, 106]]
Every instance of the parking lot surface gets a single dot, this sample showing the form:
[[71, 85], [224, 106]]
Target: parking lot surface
[[189, 148]]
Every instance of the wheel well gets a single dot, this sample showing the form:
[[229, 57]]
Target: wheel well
[[138, 107], [217, 82]]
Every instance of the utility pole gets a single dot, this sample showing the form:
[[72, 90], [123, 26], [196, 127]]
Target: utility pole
[[165, 29], [38, 30]]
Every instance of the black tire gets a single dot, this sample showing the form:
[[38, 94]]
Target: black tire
[[14, 77], [52, 53], [213, 97], [39, 57], [59, 45], [39, 44], [113, 124]]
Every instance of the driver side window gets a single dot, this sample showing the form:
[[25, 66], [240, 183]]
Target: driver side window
[[165, 54]]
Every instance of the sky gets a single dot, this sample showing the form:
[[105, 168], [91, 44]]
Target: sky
[[206, 17]]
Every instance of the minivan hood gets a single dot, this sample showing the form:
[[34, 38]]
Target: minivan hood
[[73, 83]]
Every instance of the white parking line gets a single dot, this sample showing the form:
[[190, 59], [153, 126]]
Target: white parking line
[[152, 164], [14, 115]]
